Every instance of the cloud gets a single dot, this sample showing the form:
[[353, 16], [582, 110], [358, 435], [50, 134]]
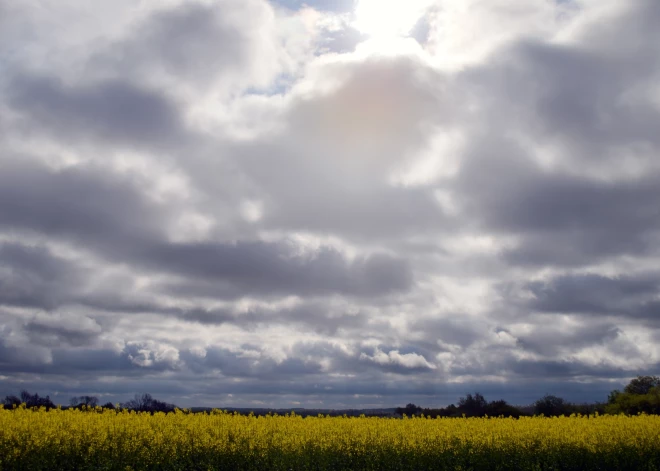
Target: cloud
[[201, 45], [57, 329], [321, 317], [274, 268], [32, 277], [116, 111], [395, 359], [591, 294], [250, 203], [85, 204], [342, 146]]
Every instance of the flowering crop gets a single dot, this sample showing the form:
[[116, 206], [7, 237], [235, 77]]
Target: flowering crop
[[98, 439]]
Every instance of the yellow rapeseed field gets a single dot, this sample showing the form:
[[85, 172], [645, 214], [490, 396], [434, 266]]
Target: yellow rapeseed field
[[100, 439]]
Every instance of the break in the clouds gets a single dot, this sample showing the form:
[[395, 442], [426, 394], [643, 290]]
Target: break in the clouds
[[329, 204]]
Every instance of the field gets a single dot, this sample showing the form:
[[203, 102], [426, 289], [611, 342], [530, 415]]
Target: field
[[107, 440]]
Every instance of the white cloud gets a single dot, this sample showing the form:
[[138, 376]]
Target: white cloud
[[465, 32], [393, 357]]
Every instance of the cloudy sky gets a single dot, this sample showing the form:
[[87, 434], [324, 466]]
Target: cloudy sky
[[333, 204]]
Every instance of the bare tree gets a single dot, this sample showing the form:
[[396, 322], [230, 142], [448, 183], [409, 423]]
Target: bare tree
[[146, 403], [34, 400], [89, 401]]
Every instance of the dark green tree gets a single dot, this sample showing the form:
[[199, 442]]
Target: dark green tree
[[551, 406], [641, 395], [502, 408], [642, 385], [473, 406]]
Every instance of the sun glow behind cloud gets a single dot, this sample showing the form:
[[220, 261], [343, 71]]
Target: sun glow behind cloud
[[387, 19]]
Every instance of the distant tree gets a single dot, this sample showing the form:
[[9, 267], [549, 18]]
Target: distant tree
[[470, 406], [450, 411], [587, 409], [642, 385], [551, 406], [146, 403], [632, 404], [502, 408], [473, 406], [10, 401], [27, 398], [160, 406], [89, 401], [611, 397], [34, 400], [108, 405], [140, 402], [410, 410], [642, 394]]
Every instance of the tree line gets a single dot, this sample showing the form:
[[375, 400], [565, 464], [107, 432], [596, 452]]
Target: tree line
[[140, 403], [641, 395]]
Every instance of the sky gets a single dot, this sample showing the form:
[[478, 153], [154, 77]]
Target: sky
[[331, 204]]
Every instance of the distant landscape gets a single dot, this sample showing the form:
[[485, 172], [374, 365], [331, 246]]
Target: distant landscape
[[147, 434], [641, 395], [329, 235]]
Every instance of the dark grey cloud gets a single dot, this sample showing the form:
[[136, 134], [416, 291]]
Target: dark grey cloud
[[201, 47], [57, 333], [275, 268], [192, 41], [591, 293], [113, 110], [549, 341], [33, 277], [83, 362], [576, 96], [567, 370], [584, 189], [81, 204], [629, 296], [110, 216], [566, 220], [453, 329], [316, 316]]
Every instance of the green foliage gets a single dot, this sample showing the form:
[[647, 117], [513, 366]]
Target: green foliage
[[641, 395], [632, 404], [642, 385]]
